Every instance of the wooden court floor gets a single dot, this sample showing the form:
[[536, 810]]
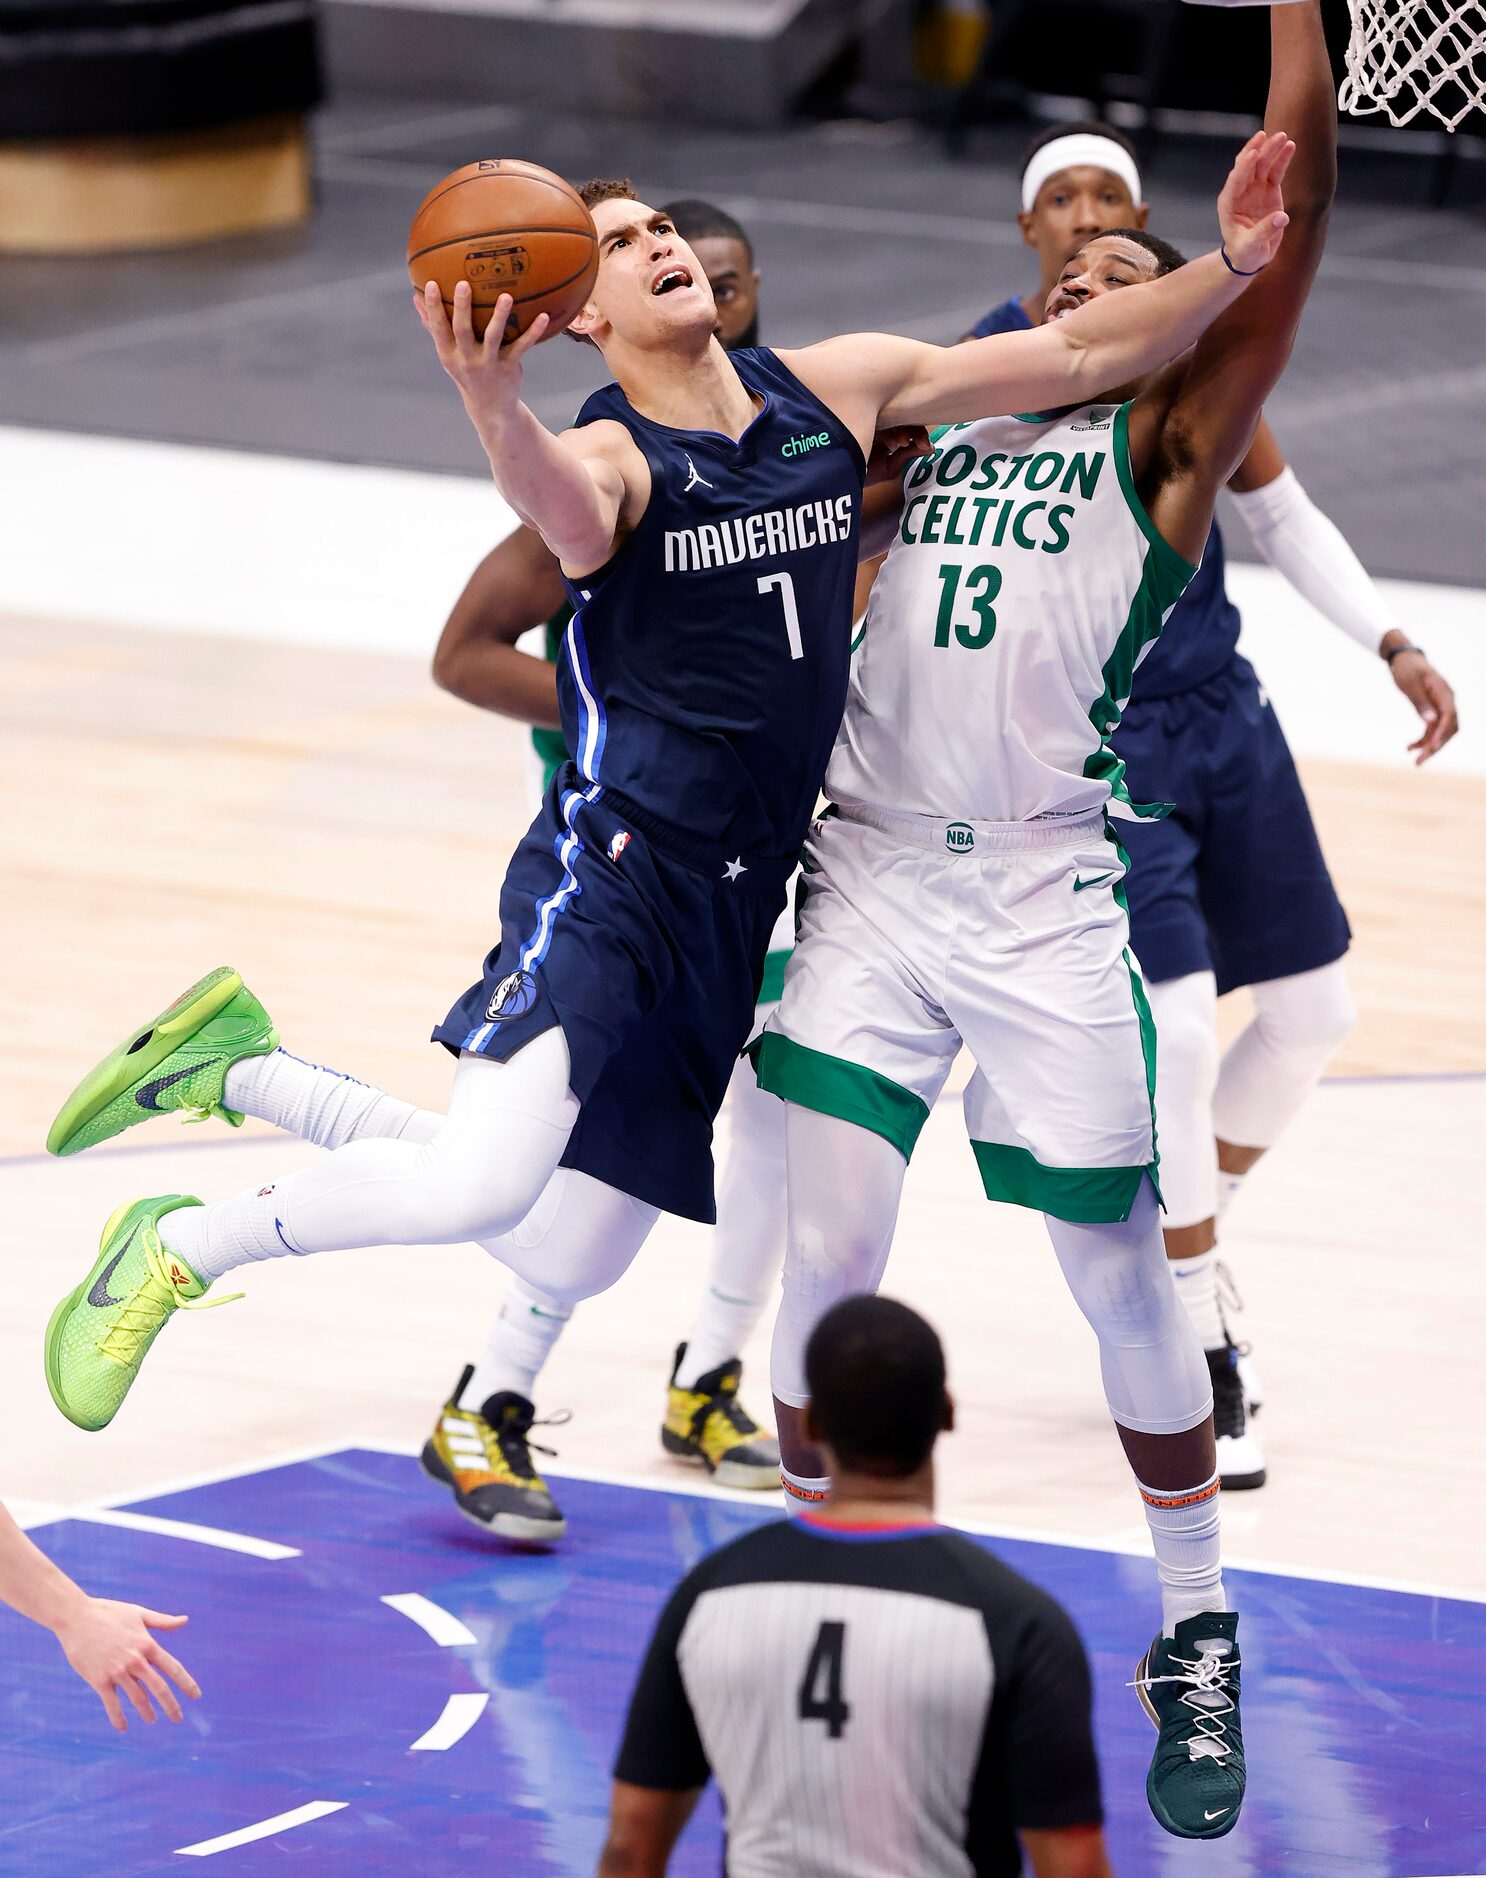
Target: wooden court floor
[[335, 827]]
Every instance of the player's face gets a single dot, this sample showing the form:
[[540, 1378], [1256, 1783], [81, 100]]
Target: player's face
[[1073, 206], [734, 282], [651, 288], [1103, 265]]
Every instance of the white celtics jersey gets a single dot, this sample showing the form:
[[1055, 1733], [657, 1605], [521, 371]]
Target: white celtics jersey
[[1006, 624]]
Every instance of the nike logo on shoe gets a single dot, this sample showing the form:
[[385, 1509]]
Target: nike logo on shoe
[[1097, 881], [145, 1095], [1219, 1814], [98, 1292]]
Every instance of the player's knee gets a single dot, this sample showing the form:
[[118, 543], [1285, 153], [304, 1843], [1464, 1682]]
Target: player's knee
[[1186, 1039], [466, 1198], [1312, 1013]]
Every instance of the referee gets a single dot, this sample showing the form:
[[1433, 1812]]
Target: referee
[[877, 1696]]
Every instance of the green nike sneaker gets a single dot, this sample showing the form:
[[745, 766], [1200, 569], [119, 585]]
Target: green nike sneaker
[[180, 1061], [1188, 1685], [100, 1333]]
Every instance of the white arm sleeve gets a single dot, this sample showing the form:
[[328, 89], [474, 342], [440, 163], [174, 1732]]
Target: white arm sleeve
[[1309, 549]]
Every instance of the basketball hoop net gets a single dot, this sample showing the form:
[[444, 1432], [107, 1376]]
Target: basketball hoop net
[[1408, 56]]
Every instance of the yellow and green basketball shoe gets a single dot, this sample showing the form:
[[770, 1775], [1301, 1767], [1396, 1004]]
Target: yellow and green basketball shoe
[[179, 1061], [100, 1333], [708, 1423]]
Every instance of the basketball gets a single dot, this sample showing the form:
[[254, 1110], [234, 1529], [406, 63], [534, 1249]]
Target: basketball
[[506, 227]]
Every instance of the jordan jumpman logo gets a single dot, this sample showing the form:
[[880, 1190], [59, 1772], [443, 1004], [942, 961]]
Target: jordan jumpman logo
[[693, 479]]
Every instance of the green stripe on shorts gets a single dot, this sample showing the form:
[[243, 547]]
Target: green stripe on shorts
[[832, 1086], [771, 986], [1085, 1195]]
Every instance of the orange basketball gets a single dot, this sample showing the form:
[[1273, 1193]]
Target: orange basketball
[[506, 227]]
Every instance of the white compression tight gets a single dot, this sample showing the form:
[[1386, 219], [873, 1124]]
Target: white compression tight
[[397, 1175], [747, 1247], [844, 1189], [1252, 1095]]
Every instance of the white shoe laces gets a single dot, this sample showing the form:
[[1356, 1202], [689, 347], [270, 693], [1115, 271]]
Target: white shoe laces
[[1207, 1696]]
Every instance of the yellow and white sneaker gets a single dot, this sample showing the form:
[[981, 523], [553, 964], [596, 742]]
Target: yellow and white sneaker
[[708, 1423], [484, 1456]]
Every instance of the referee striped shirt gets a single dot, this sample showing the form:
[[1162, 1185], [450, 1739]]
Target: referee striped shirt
[[875, 1702]]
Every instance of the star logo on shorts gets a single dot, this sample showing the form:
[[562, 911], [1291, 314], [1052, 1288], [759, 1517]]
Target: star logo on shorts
[[733, 869]]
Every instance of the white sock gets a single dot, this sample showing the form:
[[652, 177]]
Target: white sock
[[1197, 1287], [1184, 1524], [804, 1493], [719, 1330], [520, 1341], [1228, 1186], [322, 1105], [214, 1239]]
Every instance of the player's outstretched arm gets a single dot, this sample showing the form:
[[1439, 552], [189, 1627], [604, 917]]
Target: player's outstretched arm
[[108, 1644], [515, 588], [573, 490], [1190, 433], [1308, 548], [1114, 339]]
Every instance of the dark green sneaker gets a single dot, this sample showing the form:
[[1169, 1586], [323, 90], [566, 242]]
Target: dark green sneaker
[[179, 1061], [1188, 1685]]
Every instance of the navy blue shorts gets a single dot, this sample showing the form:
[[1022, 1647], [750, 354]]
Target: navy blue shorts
[[1233, 881], [635, 940]]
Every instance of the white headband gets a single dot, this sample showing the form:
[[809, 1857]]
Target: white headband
[[1081, 147]]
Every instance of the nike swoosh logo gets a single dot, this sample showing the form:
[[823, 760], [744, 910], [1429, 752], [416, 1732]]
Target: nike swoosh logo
[[1097, 881], [98, 1292], [1219, 1814], [145, 1096]]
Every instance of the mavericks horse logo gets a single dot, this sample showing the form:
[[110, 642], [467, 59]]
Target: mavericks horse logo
[[514, 996]]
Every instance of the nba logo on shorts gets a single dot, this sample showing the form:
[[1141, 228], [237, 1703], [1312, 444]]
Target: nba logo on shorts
[[513, 997], [617, 845], [959, 838]]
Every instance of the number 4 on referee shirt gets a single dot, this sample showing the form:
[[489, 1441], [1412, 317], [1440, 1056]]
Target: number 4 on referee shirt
[[820, 1690]]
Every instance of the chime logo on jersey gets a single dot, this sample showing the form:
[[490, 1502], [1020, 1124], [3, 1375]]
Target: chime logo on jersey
[[513, 997], [759, 537], [959, 838], [617, 845]]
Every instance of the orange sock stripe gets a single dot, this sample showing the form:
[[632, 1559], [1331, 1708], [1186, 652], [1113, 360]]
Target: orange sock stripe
[[804, 1493], [1187, 1496]]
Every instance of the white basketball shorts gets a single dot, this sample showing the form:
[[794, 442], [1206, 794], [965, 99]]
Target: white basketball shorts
[[917, 936]]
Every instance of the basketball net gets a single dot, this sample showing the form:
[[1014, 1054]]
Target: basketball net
[[1408, 56]]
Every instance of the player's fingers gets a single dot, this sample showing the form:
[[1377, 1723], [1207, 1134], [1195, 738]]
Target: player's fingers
[[177, 1672], [158, 1687], [110, 1700], [431, 312], [518, 347], [463, 322], [162, 1620], [129, 1687], [1279, 163]]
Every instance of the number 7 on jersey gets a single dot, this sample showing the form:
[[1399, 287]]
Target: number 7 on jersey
[[784, 586]]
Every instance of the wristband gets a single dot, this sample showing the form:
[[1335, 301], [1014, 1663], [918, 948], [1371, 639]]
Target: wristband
[[1389, 657], [1244, 273]]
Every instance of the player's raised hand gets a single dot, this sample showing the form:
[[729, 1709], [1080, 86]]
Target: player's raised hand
[[1251, 208], [488, 374], [893, 450], [1430, 696], [110, 1646]]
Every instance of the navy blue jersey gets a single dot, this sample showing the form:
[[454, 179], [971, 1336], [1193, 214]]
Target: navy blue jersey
[[1201, 635], [703, 677]]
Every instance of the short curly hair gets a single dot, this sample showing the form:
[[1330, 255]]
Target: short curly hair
[[606, 189]]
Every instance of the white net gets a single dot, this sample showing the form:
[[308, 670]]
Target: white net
[[1408, 56]]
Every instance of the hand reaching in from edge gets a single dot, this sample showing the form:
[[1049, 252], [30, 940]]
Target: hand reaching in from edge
[[111, 1648], [1251, 208]]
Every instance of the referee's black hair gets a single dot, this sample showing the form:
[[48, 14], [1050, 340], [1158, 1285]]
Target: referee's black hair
[[696, 220], [1078, 127], [875, 1371], [1168, 257]]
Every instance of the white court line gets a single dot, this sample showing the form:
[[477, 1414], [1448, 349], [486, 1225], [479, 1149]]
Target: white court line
[[184, 1529], [461, 1712], [702, 1490], [265, 1828], [443, 1626]]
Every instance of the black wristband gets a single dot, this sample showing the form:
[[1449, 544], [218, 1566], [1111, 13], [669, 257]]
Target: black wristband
[[1389, 657], [1242, 273]]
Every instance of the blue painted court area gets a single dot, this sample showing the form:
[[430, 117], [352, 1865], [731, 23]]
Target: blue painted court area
[[470, 1728]]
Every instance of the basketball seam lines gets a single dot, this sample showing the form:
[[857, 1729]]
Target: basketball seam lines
[[490, 234], [563, 189]]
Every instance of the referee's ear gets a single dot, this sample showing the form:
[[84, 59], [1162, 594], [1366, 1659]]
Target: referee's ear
[[947, 1415]]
